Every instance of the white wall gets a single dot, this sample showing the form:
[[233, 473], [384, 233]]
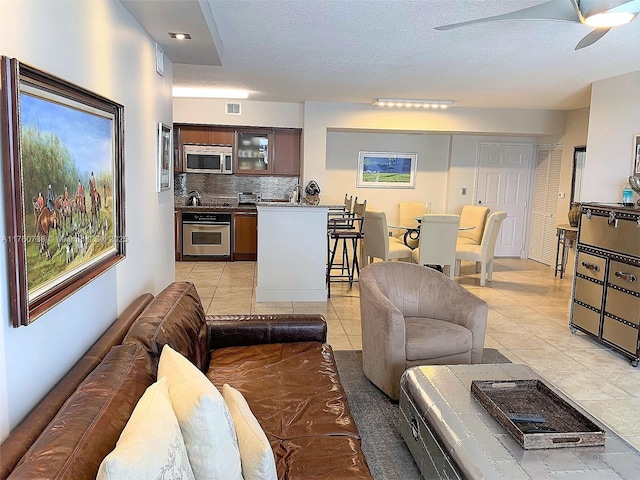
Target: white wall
[[255, 114], [99, 46], [431, 172], [614, 119], [319, 118], [446, 164]]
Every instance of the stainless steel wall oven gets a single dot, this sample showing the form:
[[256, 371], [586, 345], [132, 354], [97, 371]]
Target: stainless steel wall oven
[[206, 234]]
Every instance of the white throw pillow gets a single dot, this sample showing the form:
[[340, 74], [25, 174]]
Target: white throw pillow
[[205, 421], [255, 452], [151, 444]]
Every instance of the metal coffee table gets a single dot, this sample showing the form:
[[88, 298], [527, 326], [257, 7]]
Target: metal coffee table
[[451, 435]]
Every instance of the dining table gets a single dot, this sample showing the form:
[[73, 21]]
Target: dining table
[[413, 233]]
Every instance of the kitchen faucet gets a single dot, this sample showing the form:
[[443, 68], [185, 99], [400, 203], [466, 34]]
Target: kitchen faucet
[[296, 195]]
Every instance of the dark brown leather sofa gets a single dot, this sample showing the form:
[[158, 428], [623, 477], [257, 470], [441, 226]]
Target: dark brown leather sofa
[[280, 363]]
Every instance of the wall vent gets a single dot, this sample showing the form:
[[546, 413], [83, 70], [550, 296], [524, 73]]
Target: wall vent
[[233, 108]]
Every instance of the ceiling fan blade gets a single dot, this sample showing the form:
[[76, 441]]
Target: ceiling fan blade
[[553, 10], [592, 37]]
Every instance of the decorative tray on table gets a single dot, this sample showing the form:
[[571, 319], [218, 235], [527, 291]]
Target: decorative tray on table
[[535, 416]]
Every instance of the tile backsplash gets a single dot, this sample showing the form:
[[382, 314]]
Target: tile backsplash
[[213, 185]]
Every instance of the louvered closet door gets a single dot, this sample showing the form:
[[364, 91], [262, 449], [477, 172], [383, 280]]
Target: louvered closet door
[[542, 234]]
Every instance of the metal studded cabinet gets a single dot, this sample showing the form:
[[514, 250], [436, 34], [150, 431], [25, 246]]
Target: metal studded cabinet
[[606, 285]]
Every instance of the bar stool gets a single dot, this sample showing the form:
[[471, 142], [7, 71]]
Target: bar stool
[[341, 217], [345, 232]]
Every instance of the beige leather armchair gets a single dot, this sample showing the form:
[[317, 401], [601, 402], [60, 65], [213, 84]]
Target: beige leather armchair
[[413, 315]]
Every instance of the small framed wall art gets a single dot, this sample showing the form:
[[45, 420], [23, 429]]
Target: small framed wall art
[[386, 170], [636, 154], [165, 164]]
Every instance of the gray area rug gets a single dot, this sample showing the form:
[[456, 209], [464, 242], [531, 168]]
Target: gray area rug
[[377, 418]]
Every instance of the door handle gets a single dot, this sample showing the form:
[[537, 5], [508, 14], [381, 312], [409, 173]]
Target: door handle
[[479, 202], [591, 266]]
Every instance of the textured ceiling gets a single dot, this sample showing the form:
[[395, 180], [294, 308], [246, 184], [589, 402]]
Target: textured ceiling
[[359, 50]]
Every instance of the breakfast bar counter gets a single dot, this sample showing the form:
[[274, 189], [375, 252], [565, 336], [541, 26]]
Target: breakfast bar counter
[[292, 250]]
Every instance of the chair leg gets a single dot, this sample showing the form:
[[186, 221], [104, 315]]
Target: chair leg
[[355, 267], [450, 270], [331, 259], [483, 273], [457, 269], [490, 269]]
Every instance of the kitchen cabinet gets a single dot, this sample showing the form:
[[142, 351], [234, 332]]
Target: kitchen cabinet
[[201, 135], [257, 150], [245, 235], [177, 234], [263, 151], [253, 155], [204, 135], [606, 290], [286, 152]]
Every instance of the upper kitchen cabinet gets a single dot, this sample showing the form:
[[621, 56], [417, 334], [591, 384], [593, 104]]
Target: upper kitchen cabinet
[[264, 151], [253, 152], [201, 135], [204, 135], [286, 152]]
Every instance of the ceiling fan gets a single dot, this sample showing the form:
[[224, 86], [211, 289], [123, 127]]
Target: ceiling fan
[[600, 14]]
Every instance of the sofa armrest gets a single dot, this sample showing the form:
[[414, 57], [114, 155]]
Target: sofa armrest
[[242, 330], [20, 439]]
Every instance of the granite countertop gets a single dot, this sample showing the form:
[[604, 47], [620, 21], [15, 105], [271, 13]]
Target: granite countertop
[[324, 202]]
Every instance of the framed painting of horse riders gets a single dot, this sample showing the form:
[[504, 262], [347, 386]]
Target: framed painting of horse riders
[[63, 184]]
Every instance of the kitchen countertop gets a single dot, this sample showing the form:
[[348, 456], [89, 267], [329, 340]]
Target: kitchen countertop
[[215, 208], [325, 202]]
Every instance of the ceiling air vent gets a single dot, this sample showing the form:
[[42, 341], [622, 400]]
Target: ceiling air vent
[[233, 108]]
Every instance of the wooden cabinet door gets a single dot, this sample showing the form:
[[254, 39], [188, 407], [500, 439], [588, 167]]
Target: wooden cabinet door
[[254, 151], [286, 152], [195, 135], [221, 137], [245, 236], [177, 231]]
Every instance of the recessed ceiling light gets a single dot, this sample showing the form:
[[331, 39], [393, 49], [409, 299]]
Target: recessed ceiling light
[[390, 102], [203, 92], [180, 36]]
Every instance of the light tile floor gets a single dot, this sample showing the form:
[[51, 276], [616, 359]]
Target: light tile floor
[[528, 323]]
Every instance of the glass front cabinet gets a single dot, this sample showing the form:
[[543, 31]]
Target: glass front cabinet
[[253, 152]]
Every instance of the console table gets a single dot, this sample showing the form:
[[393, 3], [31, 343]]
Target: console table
[[451, 435], [566, 235]]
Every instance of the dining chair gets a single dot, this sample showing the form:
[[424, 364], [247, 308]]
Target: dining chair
[[407, 212], [482, 254], [347, 238], [472, 221], [437, 241], [377, 243]]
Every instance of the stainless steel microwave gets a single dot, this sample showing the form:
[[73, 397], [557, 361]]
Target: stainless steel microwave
[[208, 159]]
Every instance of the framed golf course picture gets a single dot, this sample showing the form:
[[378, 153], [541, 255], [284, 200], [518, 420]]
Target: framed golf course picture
[[386, 170]]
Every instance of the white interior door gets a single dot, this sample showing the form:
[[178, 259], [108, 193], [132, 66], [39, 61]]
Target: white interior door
[[546, 183], [503, 183]]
